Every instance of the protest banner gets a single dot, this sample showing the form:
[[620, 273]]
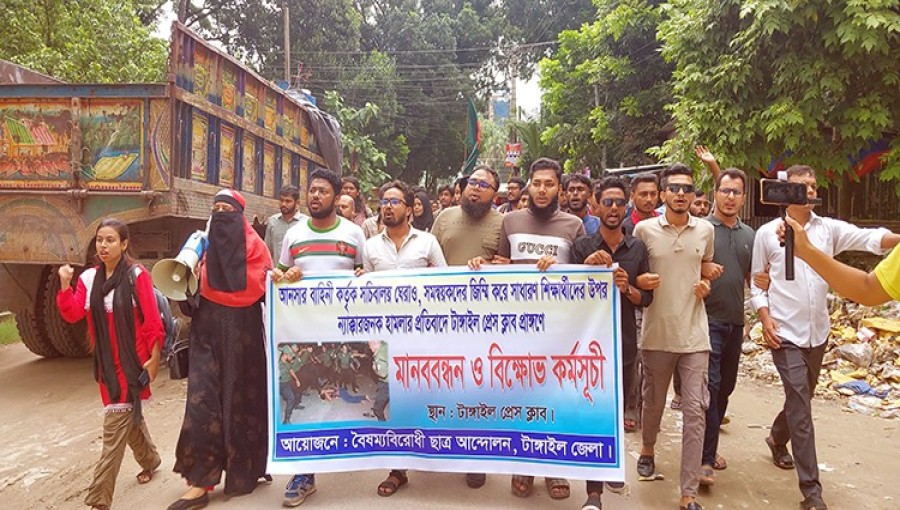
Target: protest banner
[[501, 370]]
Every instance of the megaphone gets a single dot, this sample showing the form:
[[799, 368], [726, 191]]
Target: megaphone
[[175, 277]]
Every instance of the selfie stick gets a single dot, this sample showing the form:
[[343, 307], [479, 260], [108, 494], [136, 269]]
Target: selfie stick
[[788, 249]]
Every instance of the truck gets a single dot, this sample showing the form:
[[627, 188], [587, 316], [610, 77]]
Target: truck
[[150, 154]]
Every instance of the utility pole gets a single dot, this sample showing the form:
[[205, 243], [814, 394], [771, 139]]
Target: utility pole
[[182, 10], [597, 105], [513, 107], [287, 42]]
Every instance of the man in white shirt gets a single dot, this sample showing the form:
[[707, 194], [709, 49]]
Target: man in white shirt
[[794, 315], [398, 246]]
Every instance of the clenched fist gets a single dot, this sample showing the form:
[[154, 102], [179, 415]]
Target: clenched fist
[[66, 273]]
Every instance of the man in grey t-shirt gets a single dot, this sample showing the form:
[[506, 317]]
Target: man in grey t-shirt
[[544, 235]]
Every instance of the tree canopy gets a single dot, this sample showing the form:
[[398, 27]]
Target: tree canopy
[[807, 82], [86, 41], [606, 88]]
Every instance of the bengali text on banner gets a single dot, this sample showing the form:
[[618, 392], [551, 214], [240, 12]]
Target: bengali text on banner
[[501, 370]]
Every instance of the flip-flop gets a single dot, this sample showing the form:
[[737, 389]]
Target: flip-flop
[[630, 425]]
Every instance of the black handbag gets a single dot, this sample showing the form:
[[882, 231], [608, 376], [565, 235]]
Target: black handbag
[[178, 359]]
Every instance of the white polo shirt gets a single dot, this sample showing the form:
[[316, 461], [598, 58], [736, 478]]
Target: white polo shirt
[[419, 249], [800, 307]]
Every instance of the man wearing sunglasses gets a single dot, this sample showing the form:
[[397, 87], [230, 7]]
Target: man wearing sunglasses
[[675, 330], [611, 244]]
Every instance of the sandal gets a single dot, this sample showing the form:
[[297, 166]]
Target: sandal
[[392, 483], [522, 485], [630, 425], [558, 488], [707, 476], [780, 455], [144, 476], [646, 467], [813, 503], [720, 463]]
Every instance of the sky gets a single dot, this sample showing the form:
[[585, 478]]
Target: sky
[[529, 93]]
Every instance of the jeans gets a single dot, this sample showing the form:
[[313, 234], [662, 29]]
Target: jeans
[[724, 358]]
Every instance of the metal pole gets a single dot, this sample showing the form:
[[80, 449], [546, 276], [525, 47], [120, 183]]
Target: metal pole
[[287, 42]]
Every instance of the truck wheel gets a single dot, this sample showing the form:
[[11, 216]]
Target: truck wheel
[[71, 340], [31, 335]]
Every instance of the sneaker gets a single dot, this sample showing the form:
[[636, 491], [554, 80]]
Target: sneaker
[[615, 487], [592, 503], [296, 491]]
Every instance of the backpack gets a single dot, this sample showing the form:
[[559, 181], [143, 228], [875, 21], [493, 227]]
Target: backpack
[[170, 323]]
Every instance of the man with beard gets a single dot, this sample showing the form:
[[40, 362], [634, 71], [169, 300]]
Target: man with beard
[[544, 235], [513, 193], [644, 195], [700, 205], [675, 331], [225, 421], [279, 224], [725, 308], [346, 207], [610, 244], [399, 247], [325, 242], [472, 230], [578, 189]]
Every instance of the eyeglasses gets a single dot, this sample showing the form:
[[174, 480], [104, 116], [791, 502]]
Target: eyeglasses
[[393, 202], [608, 202], [675, 188], [731, 191], [480, 184]]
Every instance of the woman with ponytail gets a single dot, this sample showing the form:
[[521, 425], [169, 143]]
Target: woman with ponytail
[[127, 333]]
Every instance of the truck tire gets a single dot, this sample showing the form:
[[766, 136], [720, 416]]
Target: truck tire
[[32, 336], [71, 340]]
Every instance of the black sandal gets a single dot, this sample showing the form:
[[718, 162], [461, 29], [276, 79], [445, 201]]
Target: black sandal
[[392, 484], [646, 466], [780, 455]]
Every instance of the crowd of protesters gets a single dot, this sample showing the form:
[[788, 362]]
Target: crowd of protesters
[[684, 258]]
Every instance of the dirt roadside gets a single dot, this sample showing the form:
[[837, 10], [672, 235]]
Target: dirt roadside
[[50, 441]]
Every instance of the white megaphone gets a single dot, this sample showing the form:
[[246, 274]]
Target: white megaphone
[[175, 277]]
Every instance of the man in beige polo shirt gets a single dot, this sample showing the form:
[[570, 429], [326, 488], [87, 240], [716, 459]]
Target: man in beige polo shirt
[[675, 330]]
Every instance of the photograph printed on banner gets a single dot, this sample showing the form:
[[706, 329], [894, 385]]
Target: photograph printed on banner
[[333, 381]]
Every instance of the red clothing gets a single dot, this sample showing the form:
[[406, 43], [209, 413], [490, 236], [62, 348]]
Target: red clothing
[[259, 262], [74, 305], [635, 219]]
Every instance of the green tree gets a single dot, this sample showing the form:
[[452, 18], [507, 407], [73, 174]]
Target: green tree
[[808, 82], [100, 41], [361, 156], [606, 88]]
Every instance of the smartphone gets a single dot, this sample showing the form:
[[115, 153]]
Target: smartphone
[[783, 193], [144, 378]]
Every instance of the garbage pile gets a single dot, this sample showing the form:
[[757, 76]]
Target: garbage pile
[[862, 359]]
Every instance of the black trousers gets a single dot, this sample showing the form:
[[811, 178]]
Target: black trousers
[[799, 369]]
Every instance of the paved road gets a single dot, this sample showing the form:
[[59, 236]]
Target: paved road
[[50, 440]]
